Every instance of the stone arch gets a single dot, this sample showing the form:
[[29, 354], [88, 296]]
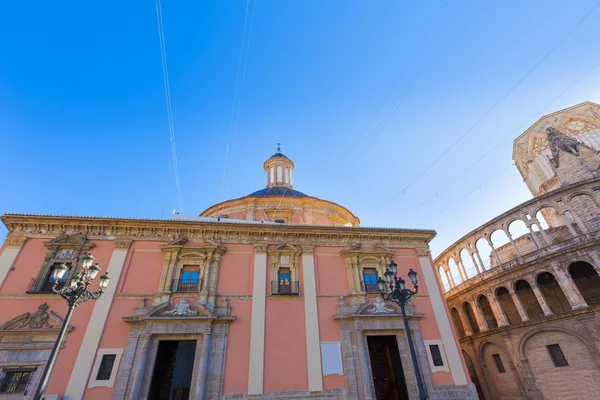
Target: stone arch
[[552, 292], [470, 314], [453, 267], [502, 245], [473, 374], [587, 281], [468, 263], [577, 380], [485, 252], [507, 304], [486, 309], [548, 217], [460, 330], [521, 236], [525, 293], [443, 278], [584, 205], [500, 371]]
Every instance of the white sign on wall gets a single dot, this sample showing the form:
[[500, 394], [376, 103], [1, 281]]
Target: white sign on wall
[[331, 357]]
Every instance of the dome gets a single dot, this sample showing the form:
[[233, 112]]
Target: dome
[[277, 191]]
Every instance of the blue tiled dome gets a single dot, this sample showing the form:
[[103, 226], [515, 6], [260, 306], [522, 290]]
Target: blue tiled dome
[[278, 191]]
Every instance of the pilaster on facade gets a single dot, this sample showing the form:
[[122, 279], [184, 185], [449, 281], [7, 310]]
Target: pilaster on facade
[[540, 298], [12, 246], [569, 288], [517, 300]]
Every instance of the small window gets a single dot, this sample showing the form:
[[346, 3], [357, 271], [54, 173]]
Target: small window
[[280, 221], [16, 380], [498, 362], [557, 356], [106, 366], [436, 355], [370, 279], [189, 276]]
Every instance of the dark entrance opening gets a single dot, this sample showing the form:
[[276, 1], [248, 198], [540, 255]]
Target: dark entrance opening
[[388, 377], [172, 376]]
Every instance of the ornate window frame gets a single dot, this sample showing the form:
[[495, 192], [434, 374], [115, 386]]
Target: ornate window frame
[[284, 256], [179, 254], [358, 259], [64, 249]]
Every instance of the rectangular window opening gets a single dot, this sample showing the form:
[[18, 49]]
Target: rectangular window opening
[[106, 367], [16, 380], [557, 356], [498, 362], [370, 279], [436, 355]]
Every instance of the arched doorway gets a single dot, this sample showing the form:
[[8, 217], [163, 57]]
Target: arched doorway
[[552, 292], [528, 299], [587, 281], [500, 373], [473, 375], [563, 366], [457, 323], [488, 314]]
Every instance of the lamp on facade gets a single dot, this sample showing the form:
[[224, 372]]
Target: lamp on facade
[[75, 293], [393, 288]]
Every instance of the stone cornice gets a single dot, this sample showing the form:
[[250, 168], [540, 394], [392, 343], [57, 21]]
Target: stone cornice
[[49, 226]]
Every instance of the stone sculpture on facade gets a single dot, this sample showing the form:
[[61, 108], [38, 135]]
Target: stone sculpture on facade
[[379, 307], [37, 320], [182, 309]]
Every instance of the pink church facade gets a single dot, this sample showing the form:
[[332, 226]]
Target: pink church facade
[[267, 296]]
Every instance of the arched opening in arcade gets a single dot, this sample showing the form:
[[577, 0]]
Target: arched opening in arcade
[[587, 281], [472, 321], [552, 292], [554, 226], [508, 305], [457, 323], [488, 314], [443, 278], [504, 248], [468, 263], [485, 253], [528, 300], [456, 275], [587, 210], [522, 237], [473, 374]]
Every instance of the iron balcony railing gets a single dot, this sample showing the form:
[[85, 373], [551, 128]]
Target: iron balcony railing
[[186, 285], [290, 287], [42, 285]]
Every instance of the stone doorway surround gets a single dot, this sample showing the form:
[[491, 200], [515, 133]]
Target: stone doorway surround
[[152, 324], [358, 322]]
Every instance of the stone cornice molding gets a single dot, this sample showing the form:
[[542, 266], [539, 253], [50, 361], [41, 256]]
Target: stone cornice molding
[[102, 228], [14, 242]]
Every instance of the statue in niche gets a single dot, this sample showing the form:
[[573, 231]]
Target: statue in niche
[[37, 320], [379, 307], [182, 309]]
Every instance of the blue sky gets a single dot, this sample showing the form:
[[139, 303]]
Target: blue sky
[[364, 96]]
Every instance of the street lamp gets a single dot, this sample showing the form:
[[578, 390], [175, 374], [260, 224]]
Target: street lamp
[[75, 293], [399, 294]]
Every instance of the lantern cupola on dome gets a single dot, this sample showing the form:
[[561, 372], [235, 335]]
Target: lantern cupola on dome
[[279, 170]]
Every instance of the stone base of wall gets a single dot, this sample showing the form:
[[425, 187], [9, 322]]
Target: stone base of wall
[[441, 392], [328, 394]]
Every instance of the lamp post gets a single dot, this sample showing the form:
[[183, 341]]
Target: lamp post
[[399, 294], [75, 293]]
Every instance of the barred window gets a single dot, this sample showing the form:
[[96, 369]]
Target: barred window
[[498, 362], [557, 356], [16, 380]]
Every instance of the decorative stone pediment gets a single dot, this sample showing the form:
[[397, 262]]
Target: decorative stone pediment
[[177, 242], [74, 242], [40, 319], [379, 308], [182, 310]]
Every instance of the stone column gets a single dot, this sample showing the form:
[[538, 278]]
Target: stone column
[[544, 234], [497, 310], [139, 368], [475, 263], [569, 288], [479, 315], [596, 263], [579, 222], [568, 223], [462, 270], [450, 278], [541, 299], [202, 376], [494, 252], [519, 305], [533, 236], [480, 261], [512, 242]]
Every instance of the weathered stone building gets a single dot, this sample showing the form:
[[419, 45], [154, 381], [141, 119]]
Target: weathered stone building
[[267, 296], [528, 317]]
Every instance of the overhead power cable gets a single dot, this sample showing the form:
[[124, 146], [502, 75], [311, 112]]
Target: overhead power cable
[[165, 70], [237, 96]]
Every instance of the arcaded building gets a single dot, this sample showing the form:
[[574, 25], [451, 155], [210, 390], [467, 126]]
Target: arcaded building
[[524, 288], [270, 295]]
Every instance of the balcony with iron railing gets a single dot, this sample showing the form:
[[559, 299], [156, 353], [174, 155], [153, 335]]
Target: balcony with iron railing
[[369, 287], [186, 285], [42, 285], [289, 287]]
